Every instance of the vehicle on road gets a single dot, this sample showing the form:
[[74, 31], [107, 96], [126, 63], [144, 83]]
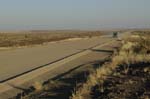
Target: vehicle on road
[[115, 34]]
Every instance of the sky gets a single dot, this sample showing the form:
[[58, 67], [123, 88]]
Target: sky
[[74, 14]]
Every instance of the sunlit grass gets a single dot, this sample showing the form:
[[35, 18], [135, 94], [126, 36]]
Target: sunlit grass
[[134, 50]]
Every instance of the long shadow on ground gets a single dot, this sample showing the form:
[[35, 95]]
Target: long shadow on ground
[[70, 82]]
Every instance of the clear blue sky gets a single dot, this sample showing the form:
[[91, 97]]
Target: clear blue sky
[[74, 14]]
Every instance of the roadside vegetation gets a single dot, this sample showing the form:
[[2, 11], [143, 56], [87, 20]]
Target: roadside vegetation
[[39, 37], [127, 76]]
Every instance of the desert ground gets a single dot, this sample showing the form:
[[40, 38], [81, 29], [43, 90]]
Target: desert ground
[[36, 37], [100, 67]]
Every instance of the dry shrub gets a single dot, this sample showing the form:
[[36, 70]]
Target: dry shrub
[[133, 51]]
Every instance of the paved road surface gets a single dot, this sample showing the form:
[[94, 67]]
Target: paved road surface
[[14, 62]]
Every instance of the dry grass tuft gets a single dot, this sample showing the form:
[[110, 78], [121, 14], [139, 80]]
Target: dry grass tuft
[[134, 50], [38, 86]]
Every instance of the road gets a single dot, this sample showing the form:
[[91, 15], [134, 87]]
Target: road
[[18, 61]]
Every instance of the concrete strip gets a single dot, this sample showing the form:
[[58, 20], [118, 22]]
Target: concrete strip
[[8, 88], [18, 61]]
